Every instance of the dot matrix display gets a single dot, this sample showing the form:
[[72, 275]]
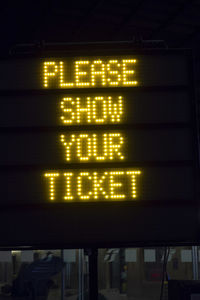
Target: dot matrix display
[[97, 110], [92, 110], [85, 125], [90, 73], [94, 185], [93, 146], [98, 148]]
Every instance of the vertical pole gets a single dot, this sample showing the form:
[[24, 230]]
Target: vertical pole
[[93, 274], [83, 273], [80, 275], [195, 262], [62, 277], [122, 271]]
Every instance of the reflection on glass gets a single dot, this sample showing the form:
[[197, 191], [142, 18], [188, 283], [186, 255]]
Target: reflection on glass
[[38, 274], [123, 273], [136, 273], [31, 274], [44, 274]]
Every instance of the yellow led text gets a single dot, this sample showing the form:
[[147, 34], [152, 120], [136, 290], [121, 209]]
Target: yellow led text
[[86, 147], [87, 186], [52, 177], [89, 73], [95, 110]]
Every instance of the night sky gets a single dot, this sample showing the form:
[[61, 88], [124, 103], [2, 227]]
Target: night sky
[[176, 22]]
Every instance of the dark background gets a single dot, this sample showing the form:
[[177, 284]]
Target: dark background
[[176, 22]]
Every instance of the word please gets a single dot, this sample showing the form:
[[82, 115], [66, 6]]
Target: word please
[[94, 109], [92, 146], [88, 185], [89, 73]]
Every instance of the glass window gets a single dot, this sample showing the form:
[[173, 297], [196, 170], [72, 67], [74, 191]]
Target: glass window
[[43, 274], [123, 273], [136, 273]]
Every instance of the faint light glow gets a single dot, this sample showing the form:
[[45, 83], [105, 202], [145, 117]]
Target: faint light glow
[[13, 252]]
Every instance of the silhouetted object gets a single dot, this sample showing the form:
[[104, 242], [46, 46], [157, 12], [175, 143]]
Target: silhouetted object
[[6, 289], [184, 289], [100, 296], [34, 279]]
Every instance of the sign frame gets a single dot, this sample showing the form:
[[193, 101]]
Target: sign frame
[[108, 224]]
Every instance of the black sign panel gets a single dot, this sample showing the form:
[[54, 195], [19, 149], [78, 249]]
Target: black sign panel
[[81, 135], [93, 72], [141, 107]]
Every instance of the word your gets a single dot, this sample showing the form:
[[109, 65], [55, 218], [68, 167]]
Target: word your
[[93, 146], [89, 185], [96, 109], [89, 73]]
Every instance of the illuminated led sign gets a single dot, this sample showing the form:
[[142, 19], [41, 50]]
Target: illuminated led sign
[[98, 149], [91, 73], [87, 146], [92, 110], [95, 185], [96, 129], [84, 146]]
